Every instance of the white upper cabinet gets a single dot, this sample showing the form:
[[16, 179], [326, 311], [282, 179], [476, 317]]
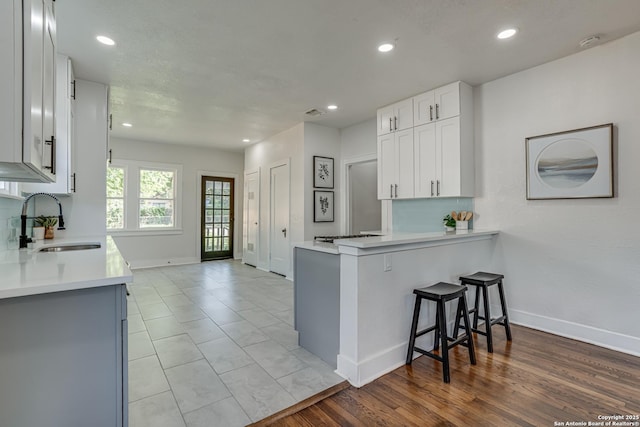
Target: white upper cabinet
[[65, 133], [437, 104], [27, 91], [395, 165], [395, 117]]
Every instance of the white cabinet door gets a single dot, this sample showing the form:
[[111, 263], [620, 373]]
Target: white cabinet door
[[49, 89], [403, 111], [423, 108], [386, 166], [404, 165], [385, 120], [447, 100], [424, 143], [448, 153]]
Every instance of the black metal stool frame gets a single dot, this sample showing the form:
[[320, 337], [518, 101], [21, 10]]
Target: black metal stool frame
[[440, 327], [482, 281]]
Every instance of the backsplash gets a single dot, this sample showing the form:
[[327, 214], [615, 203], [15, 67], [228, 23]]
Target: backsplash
[[9, 222], [425, 215]]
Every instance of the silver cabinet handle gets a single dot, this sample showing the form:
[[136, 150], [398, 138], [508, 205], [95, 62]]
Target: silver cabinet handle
[[390, 129], [438, 188], [431, 188], [431, 112], [437, 111], [391, 191], [396, 191], [395, 123]]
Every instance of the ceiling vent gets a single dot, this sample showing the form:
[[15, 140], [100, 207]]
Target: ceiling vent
[[314, 112], [589, 41]]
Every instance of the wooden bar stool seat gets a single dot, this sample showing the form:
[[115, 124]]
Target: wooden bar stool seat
[[482, 281], [440, 293]]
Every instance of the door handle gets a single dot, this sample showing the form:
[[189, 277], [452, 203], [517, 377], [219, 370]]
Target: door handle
[[284, 231], [431, 188], [431, 112], [396, 191]]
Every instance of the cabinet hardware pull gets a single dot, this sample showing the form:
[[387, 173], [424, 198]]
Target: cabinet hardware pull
[[109, 155], [395, 123], [110, 121], [73, 95], [431, 112], [437, 111], [390, 129], [52, 143], [396, 191], [438, 186], [431, 188], [391, 191], [73, 177]]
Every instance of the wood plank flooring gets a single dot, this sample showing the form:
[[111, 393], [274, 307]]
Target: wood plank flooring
[[538, 379]]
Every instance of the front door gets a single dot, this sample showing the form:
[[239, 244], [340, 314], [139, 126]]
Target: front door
[[279, 227], [217, 218]]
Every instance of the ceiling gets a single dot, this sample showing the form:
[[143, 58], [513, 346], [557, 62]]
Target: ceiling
[[213, 72]]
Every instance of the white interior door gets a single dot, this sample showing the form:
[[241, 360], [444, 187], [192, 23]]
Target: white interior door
[[252, 206], [280, 253]]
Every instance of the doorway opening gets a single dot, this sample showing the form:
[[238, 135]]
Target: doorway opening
[[216, 218], [363, 207]]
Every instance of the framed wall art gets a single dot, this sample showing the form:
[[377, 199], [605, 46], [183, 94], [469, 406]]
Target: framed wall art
[[571, 165], [323, 207], [322, 172]]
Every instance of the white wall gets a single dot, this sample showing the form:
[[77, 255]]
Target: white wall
[[359, 140], [148, 251], [572, 266]]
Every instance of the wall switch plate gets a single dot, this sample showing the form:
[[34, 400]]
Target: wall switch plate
[[387, 262]]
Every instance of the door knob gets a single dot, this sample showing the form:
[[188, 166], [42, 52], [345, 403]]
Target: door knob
[[284, 231]]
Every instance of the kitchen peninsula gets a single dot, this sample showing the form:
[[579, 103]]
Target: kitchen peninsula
[[362, 289], [63, 329]]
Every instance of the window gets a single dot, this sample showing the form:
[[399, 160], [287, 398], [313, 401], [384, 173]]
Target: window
[[143, 197]]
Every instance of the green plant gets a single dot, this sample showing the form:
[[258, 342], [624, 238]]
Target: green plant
[[46, 221], [449, 221]]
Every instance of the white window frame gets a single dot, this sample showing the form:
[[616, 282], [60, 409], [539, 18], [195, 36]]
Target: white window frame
[[132, 198], [124, 198], [9, 190]]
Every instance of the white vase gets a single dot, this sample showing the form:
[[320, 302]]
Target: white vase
[[462, 225], [38, 233]]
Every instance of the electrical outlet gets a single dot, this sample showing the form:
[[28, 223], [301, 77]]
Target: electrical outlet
[[387, 262]]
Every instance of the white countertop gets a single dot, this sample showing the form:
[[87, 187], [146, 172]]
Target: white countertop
[[329, 248], [26, 272]]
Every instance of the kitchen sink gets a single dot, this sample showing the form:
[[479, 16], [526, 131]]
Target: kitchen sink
[[69, 247]]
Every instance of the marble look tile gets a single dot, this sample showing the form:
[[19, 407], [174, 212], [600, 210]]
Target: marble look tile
[[283, 334], [175, 301], [274, 358], [225, 355], [164, 327], [176, 351], [308, 382], [244, 333], [160, 410], [226, 413], [258, 317], [222, 316], [188, 313], [238, 303], [140, 345], [154, 311], [196, 385], [203, 330], [135, 323], [168, 289], [286, 316], [132, 307], [257, 393], [146, 378]]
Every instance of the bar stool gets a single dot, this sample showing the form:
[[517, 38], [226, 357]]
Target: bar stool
[[441, 293], [482, 281]]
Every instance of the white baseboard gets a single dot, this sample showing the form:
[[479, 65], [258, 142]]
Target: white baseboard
[[589, 334], [362, 373], [150, 263]]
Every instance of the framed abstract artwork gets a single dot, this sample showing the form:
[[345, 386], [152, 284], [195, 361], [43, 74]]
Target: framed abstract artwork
[[323, 207], [571, 165], [322, 172]]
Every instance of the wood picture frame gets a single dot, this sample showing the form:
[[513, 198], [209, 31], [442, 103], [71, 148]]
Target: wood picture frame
[[322, 172], [574, 164], [323, 206]]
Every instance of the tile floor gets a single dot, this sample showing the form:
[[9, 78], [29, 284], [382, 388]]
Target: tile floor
[[213, 344]]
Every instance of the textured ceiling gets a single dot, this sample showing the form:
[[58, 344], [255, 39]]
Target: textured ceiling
[[212, 72]]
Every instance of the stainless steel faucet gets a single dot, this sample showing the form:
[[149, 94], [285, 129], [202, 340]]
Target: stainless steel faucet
[[24, 239]]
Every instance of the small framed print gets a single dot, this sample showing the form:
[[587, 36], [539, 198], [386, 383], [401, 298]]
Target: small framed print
[[323, 206], [322, 172], [574, 164]]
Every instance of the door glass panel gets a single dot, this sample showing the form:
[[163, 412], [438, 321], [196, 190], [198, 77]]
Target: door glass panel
[[217, 218]]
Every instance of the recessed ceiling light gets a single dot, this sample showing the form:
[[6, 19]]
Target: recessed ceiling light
[[510, 32], [127, 125], [105, 40], [332, 107], [246, 140], [385, 47]]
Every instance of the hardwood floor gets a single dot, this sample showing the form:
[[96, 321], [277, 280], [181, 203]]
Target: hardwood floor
[[538, 379]]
